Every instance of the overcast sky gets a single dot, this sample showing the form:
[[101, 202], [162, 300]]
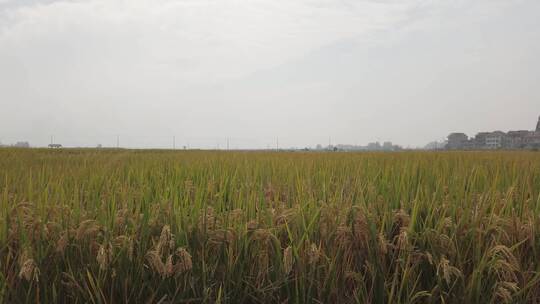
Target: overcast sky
[[408, 71]]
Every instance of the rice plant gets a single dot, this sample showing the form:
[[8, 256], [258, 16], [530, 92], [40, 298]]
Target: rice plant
[[122, 226]]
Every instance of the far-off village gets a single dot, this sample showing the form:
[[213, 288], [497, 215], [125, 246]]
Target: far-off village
[[520, 139]]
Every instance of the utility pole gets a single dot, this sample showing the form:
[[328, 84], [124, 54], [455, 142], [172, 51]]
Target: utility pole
[[174, 143], [52, 139], [277, 143], [227, 144]]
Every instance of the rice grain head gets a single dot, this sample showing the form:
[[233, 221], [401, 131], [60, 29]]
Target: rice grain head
[[169, 267], [62, 243], [104, 256], [401, 219], [504, 292], [448, 271], [184, 263], [252, 225], [288, 260], [403, 240], [360, 229], [29, 270], [207, 221], [383, 244], [154, 261], [314, 254], [87, 229]]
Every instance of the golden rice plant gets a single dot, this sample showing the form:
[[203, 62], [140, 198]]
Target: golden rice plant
[[123, 226]]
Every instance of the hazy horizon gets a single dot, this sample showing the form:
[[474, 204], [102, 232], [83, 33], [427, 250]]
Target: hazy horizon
[[303, 71]]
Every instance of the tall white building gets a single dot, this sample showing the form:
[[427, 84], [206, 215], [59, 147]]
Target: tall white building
[[496, 140]]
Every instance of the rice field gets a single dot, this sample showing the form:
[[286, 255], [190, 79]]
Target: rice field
[[127, 226]]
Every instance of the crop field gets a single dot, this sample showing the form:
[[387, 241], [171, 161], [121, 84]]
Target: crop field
[[128, 226]]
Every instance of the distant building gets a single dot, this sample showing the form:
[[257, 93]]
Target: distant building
[[376, 146], [436, 145], [55, 146], [517, 139], [520, 139], [388, 146], [532, 141], [22, 144], [479, 141], [457, 141], [497, 140]]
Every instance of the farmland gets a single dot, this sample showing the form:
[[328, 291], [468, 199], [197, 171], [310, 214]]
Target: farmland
[[128, 226]]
